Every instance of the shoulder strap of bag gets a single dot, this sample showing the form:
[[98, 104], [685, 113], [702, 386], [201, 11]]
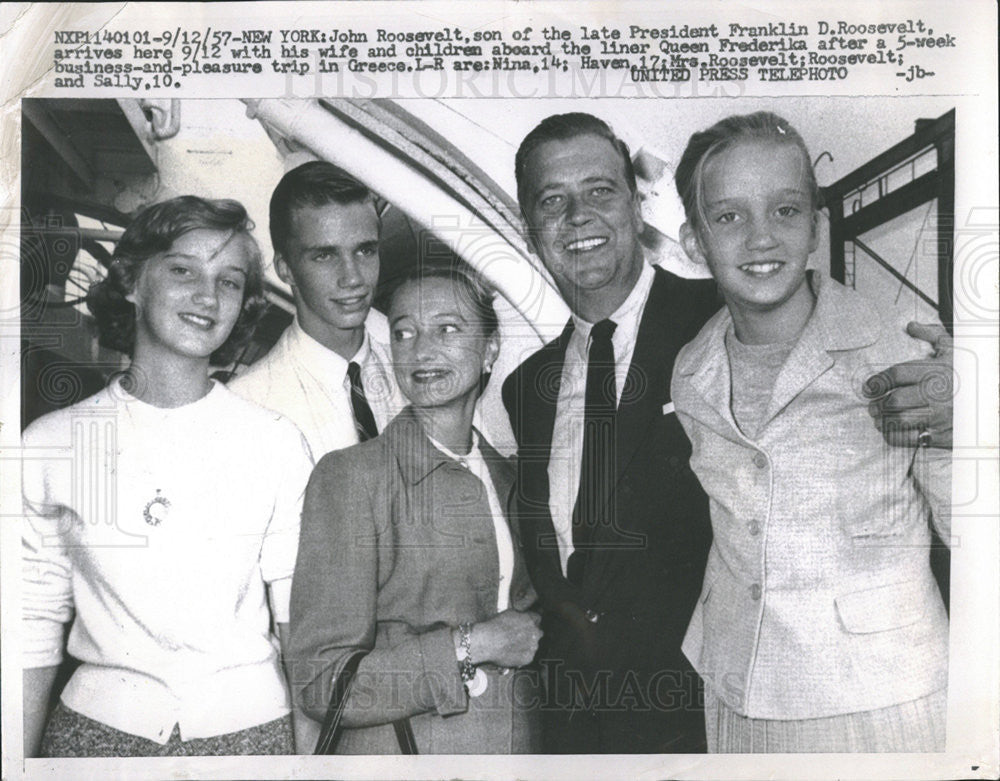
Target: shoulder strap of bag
[[330, 734], [404, 735]]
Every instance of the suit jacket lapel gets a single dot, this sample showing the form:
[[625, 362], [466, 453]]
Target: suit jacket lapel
[[647, 384], [647, 389], [542, 392], [538, 398]]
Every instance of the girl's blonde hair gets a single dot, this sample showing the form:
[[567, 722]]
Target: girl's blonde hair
[[761, 125]]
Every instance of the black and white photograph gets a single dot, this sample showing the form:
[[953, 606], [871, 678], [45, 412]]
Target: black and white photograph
[[502, 391]]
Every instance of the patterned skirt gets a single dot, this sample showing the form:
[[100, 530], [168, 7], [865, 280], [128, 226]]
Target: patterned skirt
[[71, 734]]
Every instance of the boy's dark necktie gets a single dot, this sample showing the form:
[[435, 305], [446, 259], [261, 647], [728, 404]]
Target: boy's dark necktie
[[364, 420], [597, 466]]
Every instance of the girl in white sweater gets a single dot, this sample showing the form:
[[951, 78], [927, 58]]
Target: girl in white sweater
[[161, 514]]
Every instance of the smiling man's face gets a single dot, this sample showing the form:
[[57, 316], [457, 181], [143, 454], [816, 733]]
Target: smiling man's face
[[584, 222]]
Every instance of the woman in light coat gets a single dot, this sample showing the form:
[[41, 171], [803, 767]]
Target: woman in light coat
[[406, 553]]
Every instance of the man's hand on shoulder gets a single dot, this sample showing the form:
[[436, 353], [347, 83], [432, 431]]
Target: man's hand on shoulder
[[912, 402]]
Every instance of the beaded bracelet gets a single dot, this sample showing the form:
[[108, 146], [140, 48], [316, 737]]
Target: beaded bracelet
[[468, 669]]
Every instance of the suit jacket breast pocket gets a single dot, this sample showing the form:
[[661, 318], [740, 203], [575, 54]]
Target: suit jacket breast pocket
[[672, 440]]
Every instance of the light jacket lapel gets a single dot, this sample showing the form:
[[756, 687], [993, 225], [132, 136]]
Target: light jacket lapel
[[413, 451], [707, 367], [713, 381], [839, 322], [806, 363]]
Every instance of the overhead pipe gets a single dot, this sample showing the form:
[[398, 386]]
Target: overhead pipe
[[462, 230], [100, 234], [164, 122]]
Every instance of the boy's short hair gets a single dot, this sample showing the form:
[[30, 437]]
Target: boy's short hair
[[563, 127], [154, 230], [316, 183]]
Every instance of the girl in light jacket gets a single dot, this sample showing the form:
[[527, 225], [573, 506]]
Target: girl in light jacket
[[820, 626]]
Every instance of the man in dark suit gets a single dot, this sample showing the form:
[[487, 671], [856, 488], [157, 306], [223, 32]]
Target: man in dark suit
[[615, 525]]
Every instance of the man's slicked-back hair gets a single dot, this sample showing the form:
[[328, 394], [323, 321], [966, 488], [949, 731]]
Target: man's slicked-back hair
[[563, 127], [316, 183]]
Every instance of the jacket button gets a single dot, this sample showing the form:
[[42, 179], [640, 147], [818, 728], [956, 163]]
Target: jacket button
[[592, 617], [759, 460], [754, 528], [755, 592]]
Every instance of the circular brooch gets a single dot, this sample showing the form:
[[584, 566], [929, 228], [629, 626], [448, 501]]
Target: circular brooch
[[156, 509]]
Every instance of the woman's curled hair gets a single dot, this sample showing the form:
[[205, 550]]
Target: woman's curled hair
[[154, 230]]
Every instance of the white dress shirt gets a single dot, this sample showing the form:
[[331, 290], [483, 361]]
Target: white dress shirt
[[307, 383], [154, 531], [566, 453]]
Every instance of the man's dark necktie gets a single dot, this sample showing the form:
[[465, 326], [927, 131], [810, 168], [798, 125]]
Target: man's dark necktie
[[364, 421], [597, 467]]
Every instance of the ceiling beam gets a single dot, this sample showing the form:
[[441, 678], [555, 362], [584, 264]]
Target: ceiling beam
[[36, 114]]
